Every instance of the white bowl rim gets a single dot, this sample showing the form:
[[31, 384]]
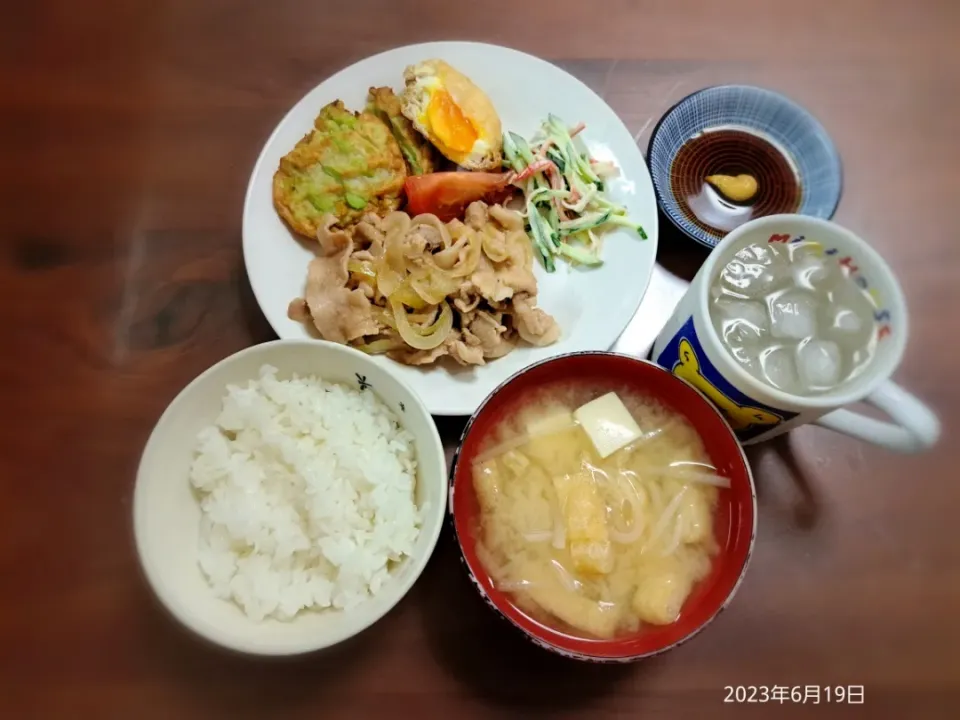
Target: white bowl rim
[[436, 518]]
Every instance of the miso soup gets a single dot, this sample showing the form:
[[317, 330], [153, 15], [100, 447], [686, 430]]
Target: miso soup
[[596, 510]]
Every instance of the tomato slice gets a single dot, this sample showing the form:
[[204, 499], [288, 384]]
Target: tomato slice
[[447, 194]]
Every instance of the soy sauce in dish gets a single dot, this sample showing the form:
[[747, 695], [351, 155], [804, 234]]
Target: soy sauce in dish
[[733, 151]]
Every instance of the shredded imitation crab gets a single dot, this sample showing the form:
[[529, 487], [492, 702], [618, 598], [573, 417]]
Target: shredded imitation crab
[[566, 208]]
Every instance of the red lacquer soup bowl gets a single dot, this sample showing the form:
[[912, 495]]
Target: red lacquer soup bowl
[[735, 518]]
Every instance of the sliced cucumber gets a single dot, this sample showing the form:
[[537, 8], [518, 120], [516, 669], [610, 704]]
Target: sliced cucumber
[[585, 222], [580, 254]]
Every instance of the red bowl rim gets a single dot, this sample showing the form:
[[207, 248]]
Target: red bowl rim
[[542, 641]]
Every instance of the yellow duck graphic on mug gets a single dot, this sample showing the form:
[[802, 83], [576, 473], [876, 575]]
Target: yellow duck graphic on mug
[[739, 416]]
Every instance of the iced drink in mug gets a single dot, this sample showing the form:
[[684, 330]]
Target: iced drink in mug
[[790, 319]]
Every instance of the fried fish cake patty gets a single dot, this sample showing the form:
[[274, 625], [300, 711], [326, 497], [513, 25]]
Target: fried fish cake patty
[[421, 156], [349, 165]]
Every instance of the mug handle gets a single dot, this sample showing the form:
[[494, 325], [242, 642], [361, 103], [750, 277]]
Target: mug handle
[[916, 428]]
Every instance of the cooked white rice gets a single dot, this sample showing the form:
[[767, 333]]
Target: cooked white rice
[[307, 495]]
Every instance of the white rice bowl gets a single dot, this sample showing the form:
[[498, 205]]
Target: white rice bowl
[[307, 494], [324, 544]]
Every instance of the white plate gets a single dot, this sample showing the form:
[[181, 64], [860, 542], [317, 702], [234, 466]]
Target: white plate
[[592, 306]]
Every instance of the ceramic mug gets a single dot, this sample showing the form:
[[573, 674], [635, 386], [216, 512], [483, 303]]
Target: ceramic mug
[[690, 347]]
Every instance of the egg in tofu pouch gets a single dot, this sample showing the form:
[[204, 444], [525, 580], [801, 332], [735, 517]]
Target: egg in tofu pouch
[[447, 108]]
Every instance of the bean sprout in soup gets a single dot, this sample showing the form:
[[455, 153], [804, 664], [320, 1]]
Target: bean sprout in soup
[[596, 510]]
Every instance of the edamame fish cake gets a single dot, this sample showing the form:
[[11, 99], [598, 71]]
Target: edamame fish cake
[[348, 165]]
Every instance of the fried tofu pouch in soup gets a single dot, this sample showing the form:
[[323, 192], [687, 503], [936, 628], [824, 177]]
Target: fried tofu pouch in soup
[[453, 114], [348, 165]]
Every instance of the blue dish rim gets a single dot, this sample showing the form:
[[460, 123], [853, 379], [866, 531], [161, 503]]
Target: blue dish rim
[[681, 101]]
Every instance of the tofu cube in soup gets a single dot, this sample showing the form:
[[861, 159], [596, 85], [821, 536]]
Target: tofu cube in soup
[[608, 423]]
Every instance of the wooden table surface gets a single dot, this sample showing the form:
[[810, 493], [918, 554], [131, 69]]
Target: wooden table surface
[[127, 133]]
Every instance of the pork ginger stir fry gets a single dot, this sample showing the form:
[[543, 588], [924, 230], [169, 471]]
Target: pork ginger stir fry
[[418, 289]]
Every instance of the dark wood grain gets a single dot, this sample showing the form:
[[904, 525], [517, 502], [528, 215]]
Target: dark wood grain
[[127, 133]]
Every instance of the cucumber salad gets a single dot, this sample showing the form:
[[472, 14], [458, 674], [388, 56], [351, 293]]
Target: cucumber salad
[[563, 188]]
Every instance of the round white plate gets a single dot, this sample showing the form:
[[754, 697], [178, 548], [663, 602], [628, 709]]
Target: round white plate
[[592, 306]]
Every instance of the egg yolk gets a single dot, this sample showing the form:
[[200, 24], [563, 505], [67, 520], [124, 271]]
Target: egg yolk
[[447, 121]]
